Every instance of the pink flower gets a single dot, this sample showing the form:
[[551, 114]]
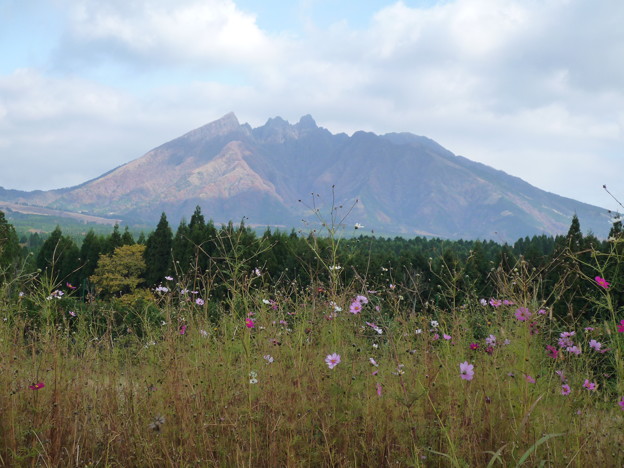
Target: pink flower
[[332, 360], [355, 307], [474, 346], [249, 323], [561, 375], [446, 337], [37, 386], [490, 340], [496, 302], [508, 302], [595, 345], [621, 403], [466, 371], [552, 352], [620, 327], [182, 329], [565, 389], [591, 386], [573, 350], [541, 312], [602, 282], [362, 299], [199, 301], [522, 314], [378, 389], [529, 379]]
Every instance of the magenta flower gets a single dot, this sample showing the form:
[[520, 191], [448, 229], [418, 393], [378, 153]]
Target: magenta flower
[[591, 386], [522, 314], [573, 350], [249, 323], [378, 389], [507, 302], [529, 379], [332, 360], [602, 282], [496, 302], [182, 329], [621, 403], [466, 371], [474, 346], [620, 327], [446, 337], [552, 352], [565, 389], [37, 386], [355, 307]]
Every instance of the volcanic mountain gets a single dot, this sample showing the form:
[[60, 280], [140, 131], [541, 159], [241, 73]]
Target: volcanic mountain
[[276, 174]]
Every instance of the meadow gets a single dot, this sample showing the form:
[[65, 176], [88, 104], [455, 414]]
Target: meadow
[[335, 373]]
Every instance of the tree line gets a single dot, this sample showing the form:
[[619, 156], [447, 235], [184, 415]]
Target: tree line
[[428, 270]]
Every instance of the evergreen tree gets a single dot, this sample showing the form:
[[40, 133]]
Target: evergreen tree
[[126, 238], [90, 251], [158, 252], [113, 241], [59, 257], [9, 243]]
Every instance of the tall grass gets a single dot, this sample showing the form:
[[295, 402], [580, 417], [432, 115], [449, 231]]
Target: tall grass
[[244, 382]]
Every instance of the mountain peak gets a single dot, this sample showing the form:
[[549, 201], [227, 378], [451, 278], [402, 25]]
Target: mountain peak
[[306, 123], [220, 127]]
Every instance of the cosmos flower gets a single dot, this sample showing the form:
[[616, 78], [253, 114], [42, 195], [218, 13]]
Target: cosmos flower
[[466, 370], [332, 360]]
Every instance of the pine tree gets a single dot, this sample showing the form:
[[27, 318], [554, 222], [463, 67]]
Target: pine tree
[[158, 252], [9, 243]]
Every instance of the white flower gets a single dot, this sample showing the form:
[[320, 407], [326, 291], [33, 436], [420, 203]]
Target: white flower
[[418, 331], [434, 323], [268, 358], [335, 267]]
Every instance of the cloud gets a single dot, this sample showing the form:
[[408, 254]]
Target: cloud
[[206, 32]]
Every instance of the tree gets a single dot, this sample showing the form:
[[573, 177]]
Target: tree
[[119, 273], [158, 252], [9, 243], [90, 251], [59, 256]]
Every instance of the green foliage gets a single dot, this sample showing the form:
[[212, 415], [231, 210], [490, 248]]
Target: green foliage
[[158, 252], [119, 273], [10, 250]]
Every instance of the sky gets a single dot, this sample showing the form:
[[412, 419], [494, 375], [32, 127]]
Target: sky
[[531, 87]]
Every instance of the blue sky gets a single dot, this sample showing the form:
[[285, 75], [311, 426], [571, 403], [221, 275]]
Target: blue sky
[[531, 87]]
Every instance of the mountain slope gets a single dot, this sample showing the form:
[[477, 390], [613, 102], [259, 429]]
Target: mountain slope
[[403, 184]]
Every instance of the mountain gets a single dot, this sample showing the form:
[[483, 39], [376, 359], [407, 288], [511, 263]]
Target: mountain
[[397, 183]]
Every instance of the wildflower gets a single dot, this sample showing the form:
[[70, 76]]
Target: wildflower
[[573, 350], [528, 378], [602, 282], [375, 345], [565, 389], [335, 267], [483, 302], [489, 349], [496, 302], [375, 327], [72, 313], [589, 329], [355, 307], [37, 386], [373, 362], [169, 278], [541, 312], [561, 375], [446, 337], [434, 323], [249, 323], [466, 370], [552, 352], [595, 345], [332, 360], [591, 386], [620, 327], [621, 403], [522, 314], [490, 340], [418, 331], [378, 389], [203, 332], [257, 272], [183, 329], [268, 358], [392, 286], [162, 289], [474, 346], [266, 301], [436, 337], [507, 342], [199, 301], [70, 286], [399, 370], [252, 377], [508, 302], [156, 423], [362, 299]]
